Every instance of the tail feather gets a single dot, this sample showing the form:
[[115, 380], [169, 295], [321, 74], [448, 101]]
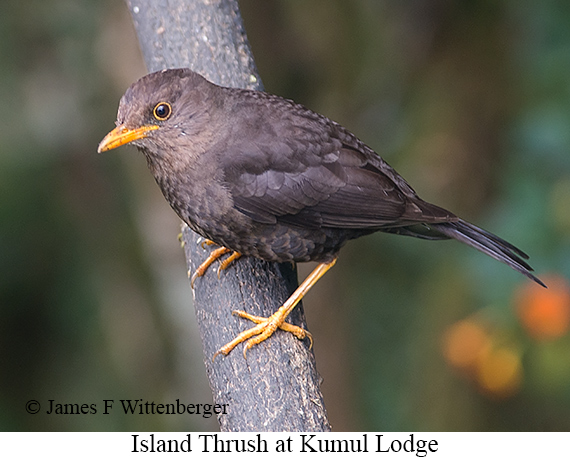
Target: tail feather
[[489, 244]]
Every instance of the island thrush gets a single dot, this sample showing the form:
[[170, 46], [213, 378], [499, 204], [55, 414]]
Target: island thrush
[[262, 176]]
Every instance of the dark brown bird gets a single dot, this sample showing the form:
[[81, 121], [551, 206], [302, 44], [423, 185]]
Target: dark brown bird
[[263, 176]]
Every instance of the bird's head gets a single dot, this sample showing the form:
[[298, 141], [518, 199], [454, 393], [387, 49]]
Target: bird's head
[[160, 109]]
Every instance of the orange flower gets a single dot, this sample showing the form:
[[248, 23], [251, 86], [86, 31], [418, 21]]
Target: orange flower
[[480, 353], [499, 372], [545, 313], [464, 343]]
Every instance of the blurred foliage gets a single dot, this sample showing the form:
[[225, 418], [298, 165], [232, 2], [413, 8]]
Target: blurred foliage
[[467, 100]]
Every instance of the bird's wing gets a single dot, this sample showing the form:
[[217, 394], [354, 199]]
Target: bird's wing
[[334, 181]]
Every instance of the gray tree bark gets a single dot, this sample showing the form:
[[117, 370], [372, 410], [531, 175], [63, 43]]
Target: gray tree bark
[[277, 387]]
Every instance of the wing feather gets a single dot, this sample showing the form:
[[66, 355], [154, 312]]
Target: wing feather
[[300, 176]]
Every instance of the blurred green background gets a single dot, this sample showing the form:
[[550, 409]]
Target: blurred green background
[[468, 100]]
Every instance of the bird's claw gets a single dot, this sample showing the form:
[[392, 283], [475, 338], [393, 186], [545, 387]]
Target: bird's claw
[[265, 327]]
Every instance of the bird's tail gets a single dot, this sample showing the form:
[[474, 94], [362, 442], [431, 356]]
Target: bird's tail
[[488, 243]]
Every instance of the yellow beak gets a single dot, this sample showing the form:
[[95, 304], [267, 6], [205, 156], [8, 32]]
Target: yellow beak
[[122, 135]]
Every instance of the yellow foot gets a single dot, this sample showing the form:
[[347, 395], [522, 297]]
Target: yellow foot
[[266, 326], [201, 270], [214, 255], [207, 242], [226, 262]]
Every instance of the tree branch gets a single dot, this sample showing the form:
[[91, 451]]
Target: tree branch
[[277, 387]]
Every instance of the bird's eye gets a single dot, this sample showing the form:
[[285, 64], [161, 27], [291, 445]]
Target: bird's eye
[[162, 111]]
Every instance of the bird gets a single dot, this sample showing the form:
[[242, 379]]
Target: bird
[[260, 175]]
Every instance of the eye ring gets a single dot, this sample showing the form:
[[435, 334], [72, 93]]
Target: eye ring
[[162, 111]]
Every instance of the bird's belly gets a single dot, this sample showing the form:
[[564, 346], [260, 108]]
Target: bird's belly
[[278, 242]]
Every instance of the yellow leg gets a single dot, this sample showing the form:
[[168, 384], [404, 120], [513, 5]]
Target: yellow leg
[[226, 262], [214, 255], [266, 326], [201, 270]]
